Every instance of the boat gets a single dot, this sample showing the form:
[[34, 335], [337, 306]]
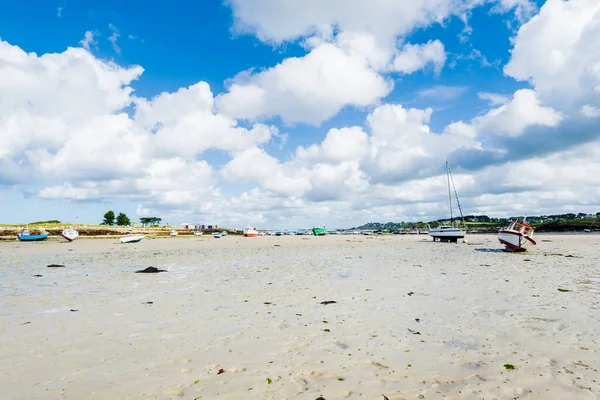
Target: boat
[[217, 234], [131, 238], [173, 233], [26, 236], [250, 232], [198, 233], [588, 230], [449, 233], [70, 234], [224, 233], [319, 230], [517, 236]]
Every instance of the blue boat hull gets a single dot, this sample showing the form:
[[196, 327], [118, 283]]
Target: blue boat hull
[[32, 238]]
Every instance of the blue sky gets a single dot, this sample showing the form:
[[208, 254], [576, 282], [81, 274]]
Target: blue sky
[[183, 44]]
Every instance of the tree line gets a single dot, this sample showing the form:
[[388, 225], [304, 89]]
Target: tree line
[[123, 220]]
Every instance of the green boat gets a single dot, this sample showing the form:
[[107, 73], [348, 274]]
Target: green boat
[[319, 231]]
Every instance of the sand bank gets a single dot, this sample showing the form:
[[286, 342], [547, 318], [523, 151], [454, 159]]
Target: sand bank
[[241, 318]]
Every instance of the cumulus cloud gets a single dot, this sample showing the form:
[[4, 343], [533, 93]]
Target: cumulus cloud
[[412, 58], [557, 52], [308, 89]]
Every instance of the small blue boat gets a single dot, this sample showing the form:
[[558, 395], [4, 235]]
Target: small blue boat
[[25, 236]]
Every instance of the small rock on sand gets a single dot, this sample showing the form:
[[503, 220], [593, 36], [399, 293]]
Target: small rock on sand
[[55, 266]]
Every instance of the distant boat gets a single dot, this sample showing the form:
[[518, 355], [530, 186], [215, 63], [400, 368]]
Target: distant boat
[[70, 234], [173, 233], [132, 238], [319, 230], [250, 232], [449, 233], [224, 233], [278, 233], [588, 230], [217, 234], [517, 236], [25, 236], [198, 233]]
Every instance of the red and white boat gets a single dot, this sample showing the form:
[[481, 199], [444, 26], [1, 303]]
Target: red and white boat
[[517, 236], [70, 234], [250, 232]]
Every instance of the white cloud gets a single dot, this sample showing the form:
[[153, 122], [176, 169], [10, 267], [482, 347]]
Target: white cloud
[[308, 89], [278, 21], [557, 52], [88, 39], [590, 111], [443, 92], [512, 118], [412, 58], [523, 9], [113, 38], [493, 99], [59, 12]]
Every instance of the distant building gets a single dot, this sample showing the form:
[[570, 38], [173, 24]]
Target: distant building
[[210, 226]]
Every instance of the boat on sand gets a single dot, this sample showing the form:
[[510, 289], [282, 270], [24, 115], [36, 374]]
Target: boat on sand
[[319, 230], [517, 236], [70, 234], [449, 233], [131, 238], [26, 236], [250, 232]]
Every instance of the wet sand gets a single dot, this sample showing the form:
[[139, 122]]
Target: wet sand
[[241, 318]]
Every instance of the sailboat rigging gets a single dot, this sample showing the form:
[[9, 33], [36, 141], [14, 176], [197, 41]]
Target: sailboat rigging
[[449, 233]]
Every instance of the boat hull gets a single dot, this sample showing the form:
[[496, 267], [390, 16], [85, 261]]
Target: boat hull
[[131, 238], [447, 235], [515, 241], [70, 234], [32, 238], [216, 235], [319, 231], [251, 234]]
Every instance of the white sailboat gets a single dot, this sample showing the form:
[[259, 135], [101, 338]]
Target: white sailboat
[[588, 230], [449, 233], [71, 233]]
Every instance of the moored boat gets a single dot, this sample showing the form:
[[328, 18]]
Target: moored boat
[[517, 236], [26, 236], [250, 232], [173, 233], [319, 230], [132, 238], [449, 233], [70, 234], [217, 234], [198, 233]]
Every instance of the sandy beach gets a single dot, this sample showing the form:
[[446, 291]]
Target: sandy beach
[[242, 318]]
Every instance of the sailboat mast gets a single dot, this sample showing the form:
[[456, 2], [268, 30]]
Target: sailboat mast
[[456, 194], [449, 193]]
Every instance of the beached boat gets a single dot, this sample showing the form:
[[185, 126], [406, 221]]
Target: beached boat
[[70, 234], [250, 232], [132, 238], [198, 233], [173, 233], [217, 234], [319, 230], [517, 236], [588, 230], [449, 233], [26, 236], [224, 233]]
